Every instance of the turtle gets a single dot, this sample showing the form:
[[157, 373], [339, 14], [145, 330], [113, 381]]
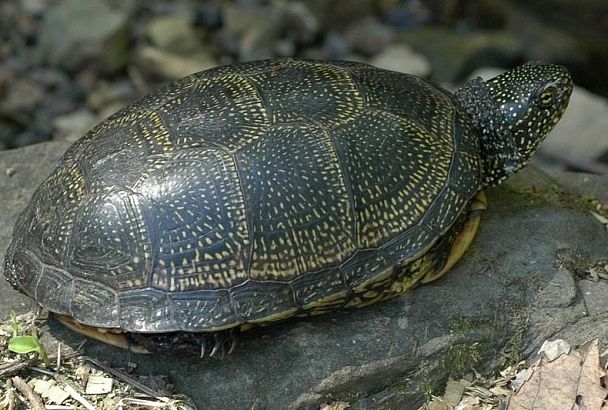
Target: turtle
[[255, 192]]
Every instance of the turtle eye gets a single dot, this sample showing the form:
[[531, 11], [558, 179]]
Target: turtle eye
[[547, 96]]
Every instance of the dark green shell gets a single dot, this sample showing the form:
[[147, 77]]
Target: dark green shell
[[244, 194]]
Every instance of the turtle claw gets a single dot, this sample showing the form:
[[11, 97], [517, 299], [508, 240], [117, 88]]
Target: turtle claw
[[223, 343], [203, 346], [218, 344]]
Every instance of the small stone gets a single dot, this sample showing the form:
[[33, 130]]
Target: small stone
[[75, 33], [402, 58], [170, 66], [98, 384], [240, 18], [34, 7], [175, 33], [22, 96], [74, 125], [369, 36], [454, 391], [335, 45], [105, 94], [300, 23], [208, 15], [259, 42], [554, 348], [244, 34], [10, 172]]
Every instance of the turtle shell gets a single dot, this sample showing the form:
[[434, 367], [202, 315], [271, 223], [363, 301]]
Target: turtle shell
[[245, 194]]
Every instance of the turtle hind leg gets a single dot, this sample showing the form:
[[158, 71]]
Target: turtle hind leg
[[452, 246], [211, 344]]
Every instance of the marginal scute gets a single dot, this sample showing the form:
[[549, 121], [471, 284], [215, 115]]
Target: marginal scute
[[255, 301], [62, 285], [324, 288], [50, 215], [94, 303], [204, 310], [147, 311]]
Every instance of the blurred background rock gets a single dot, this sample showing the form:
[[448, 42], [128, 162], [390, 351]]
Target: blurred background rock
[[67, 64]]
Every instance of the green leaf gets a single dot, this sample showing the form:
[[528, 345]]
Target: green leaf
[[24, 344], [28, 344]]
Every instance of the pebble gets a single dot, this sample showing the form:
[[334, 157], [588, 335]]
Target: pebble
[[175, 33], [73, 125], [22, 96], [170, 66], [76, 33], [301, 24], [335, 45], [402, 58], [369, 36]]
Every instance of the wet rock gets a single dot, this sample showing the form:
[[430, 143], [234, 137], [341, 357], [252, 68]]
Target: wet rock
[[506, 296], [80, 32], [369, 36], [401, 57]]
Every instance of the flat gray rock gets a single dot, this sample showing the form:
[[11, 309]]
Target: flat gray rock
[[522, 281]]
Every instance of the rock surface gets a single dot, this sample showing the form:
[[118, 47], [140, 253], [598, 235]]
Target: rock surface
[[523, 281]]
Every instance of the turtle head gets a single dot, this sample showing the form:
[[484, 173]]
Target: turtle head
[[513, 113]]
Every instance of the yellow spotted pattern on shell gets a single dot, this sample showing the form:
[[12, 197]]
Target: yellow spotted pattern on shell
[[247, 194]]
